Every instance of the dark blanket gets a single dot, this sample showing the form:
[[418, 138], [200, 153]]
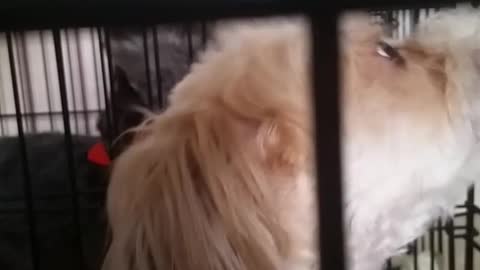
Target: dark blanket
[[55, 229]]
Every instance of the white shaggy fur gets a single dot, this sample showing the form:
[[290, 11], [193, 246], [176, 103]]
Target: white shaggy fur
[[414, 182]]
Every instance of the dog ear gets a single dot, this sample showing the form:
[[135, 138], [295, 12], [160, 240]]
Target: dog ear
[[125, 105]]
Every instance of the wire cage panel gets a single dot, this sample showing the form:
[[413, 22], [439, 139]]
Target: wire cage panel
[[89, 56], [55, 85]]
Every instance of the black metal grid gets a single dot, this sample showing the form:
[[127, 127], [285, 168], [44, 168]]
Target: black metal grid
[[19, 16]]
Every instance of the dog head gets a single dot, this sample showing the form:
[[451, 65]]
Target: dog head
[[224, 178], [410, 129], [212, 182]]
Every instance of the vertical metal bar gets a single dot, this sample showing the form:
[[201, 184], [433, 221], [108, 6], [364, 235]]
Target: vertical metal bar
[[95, 66], [389, 19], [440, 236], [24, 164], [389, 265], [69, 146], [2, 125], [327, 117], [415, 255], [47, 79], [21, 75], [399, 24], [72, 85], [27, 90], [470, 229], [204, 34], [161, 95], [105, 94], [431, 238], [146, 57], [108, 48], [416, 16], [82, 83], [2, 128], [189, 43], [451, 245], [408, 22]]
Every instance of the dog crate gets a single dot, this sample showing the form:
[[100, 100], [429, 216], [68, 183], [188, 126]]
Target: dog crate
[[61, 73]]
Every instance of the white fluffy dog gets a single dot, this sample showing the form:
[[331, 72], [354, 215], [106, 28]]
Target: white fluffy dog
[[224, 178]]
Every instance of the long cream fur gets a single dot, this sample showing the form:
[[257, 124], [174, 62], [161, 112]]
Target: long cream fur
[[224, 178], [214, 181]]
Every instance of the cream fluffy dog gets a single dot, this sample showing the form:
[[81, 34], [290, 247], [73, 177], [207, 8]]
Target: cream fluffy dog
[[224, 178]]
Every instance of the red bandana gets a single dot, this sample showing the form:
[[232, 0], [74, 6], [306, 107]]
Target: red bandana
[[98, 155]]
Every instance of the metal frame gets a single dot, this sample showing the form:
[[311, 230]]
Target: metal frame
[[22, 15]]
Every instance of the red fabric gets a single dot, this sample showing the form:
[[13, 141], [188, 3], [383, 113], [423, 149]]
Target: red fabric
[[98, 155]]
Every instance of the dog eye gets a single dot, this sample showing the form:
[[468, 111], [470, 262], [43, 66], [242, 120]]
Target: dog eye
[[385, 50]]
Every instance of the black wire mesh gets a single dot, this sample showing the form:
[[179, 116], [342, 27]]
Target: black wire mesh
[[64, 119], [69, 118]]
